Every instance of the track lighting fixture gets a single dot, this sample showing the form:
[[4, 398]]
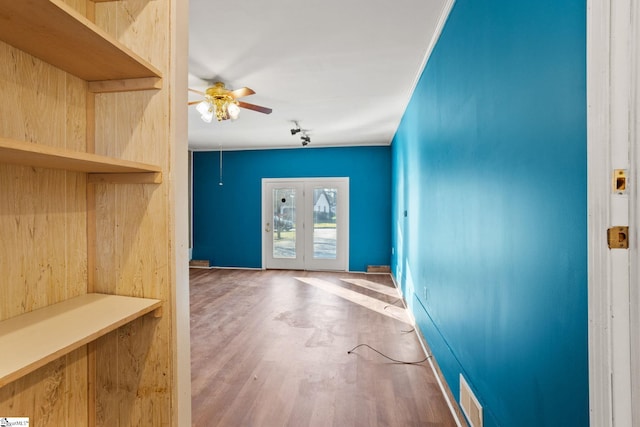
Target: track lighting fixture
[[304, 137], [296, 129]]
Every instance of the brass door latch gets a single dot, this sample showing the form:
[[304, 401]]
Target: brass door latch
[[620, 181], [618, 237]]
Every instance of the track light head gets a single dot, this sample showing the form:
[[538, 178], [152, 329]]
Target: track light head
[[296, 129], [305, 140]]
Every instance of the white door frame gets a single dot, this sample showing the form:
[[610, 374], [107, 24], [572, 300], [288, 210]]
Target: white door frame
[[613, 104], [342, 249]]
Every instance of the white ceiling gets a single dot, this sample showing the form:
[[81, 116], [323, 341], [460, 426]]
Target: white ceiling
[[344, 69]]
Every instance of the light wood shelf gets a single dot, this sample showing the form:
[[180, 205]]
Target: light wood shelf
[[38, 155], [32, 340], [56, 33]]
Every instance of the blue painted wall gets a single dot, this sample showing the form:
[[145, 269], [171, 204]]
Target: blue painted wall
[[227, 223], [489, 164]]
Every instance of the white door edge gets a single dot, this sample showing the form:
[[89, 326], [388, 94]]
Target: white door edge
[[612, 100]]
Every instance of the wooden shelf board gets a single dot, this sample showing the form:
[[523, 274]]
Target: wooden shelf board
[[32, 340], [56, 33], [38, 155], [128, 85], [125, 178]]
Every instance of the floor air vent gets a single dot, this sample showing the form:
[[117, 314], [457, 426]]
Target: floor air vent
[[470, 405]]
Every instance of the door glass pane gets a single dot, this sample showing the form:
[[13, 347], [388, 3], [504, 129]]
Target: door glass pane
[[324, 222], [284, 223]]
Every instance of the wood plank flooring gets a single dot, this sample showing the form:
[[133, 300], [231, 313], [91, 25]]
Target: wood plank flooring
[[269, 348]]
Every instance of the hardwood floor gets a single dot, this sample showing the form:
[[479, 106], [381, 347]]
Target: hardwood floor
[[269, 348]]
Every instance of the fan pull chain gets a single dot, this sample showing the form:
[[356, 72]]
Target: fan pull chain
[[220, 181]]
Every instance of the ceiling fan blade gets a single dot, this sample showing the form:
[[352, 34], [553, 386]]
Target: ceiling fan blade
[[254, 107], [197, 91], [239, 93], [194, 102]]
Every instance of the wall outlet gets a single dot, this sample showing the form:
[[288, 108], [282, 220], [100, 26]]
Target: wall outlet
[[469, 404]]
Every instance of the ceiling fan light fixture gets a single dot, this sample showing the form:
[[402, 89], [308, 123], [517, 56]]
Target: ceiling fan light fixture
[[207, 118], [233, 110], [204, 107], [207, 115], [221, 107]]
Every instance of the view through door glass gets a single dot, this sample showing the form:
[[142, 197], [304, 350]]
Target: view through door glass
[[324, 222], [284, 223]]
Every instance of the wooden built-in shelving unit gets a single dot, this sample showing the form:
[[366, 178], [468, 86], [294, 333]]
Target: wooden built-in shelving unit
[[72, 249], [54, 32], [43, 156], [34, 339]]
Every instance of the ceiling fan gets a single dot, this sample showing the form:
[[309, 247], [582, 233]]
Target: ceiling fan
[[223, 103]]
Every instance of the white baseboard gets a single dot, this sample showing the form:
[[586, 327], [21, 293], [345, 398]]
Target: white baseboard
[[446, 392]]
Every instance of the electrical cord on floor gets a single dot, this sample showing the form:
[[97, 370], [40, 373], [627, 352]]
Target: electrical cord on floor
[[392, 304], [390, 358]]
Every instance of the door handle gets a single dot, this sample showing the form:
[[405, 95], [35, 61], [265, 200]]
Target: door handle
[[267, 229]]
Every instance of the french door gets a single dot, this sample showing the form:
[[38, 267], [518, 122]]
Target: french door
[[305, 223]]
